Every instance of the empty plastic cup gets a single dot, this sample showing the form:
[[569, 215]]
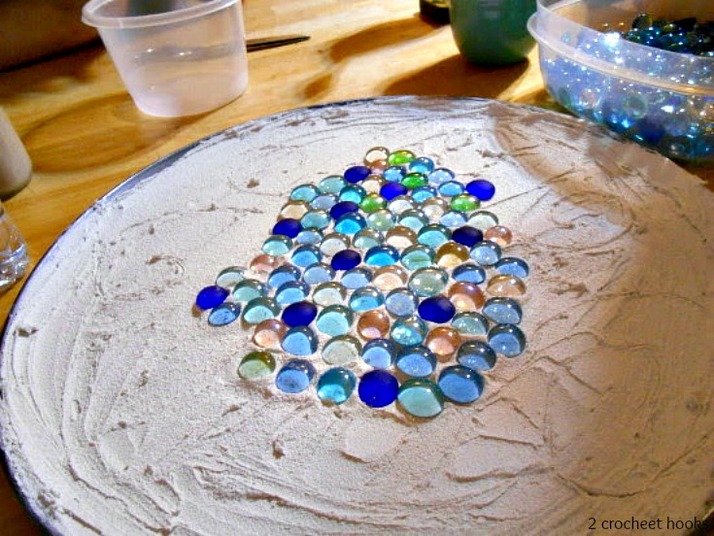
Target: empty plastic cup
[[176, 57]]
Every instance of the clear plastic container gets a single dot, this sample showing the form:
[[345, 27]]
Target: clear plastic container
[[176, 57], [661, 99]]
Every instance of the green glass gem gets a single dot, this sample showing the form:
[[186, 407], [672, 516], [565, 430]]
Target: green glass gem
[[483, 220], [421, 398], [330, 293], [249, 289], [259, 309], [417, 256], [334, 320], [470, 323], [381, 220], [414, 180], [277, 245], [341, 350], [372, 203], [401, 157], [256, 365], [368, 238], [433, 235], [465, 203], [428, 281]]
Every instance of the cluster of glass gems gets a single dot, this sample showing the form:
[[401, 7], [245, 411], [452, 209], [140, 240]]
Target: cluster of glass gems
[[381, 270]]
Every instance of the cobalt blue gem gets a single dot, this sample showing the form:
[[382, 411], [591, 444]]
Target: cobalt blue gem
[[437, 309], [210, 297], [345, 260], [467, 235], [378, 388], [342, 208], [357, 174], [481, 189], [392, 189], [299, 314], [288, 227]]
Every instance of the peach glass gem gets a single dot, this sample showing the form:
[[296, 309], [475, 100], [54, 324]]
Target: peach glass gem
[[506, 286], [264, 264], [451, 254], [373, 324], [390, 277], [400, 237], [294, 210], [466, 296], [378, 166], [443, 341], [499, 234], [269, 333]]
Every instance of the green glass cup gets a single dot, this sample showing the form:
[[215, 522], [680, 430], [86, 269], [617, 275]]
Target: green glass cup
[[492, 32]]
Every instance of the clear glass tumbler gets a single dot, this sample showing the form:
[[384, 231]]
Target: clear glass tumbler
[[13, 252]]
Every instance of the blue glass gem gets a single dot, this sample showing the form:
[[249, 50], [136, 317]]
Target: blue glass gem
[[381, 220], [366, 299], [299, 314], [423, 193], [324, 201], [249, 289], [305, 256], [315, 219], [486, 253], [394, 174], [277, 245], [379, 353], [230, 277], [357, 173], [469, 272], [299, 341], [342, 208], [353, 193], [433, 235], [368, 238], [334, 320], [409, 331], [346, 260], [507, 339], [304, 192], [461, 385], [283, 274], [295, 376], [421, 398], [512, 266], [421, 164], [503, 311], [378, 388], [287, 227], [451, 189], [476, 355], [468, 236], [381, 256], [210, 297], [336, 385], [318, 273], [470, 323], [453, 218], [481, 189], [401, 302], [437, 309], [351, 223], [391, 190], [332, 184], [416, 361], [309, 237], [291, 292], [259, 309], [224, 314], [417, 256], [356, 278], [440, 176]]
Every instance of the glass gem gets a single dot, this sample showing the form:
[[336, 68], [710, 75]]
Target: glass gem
[[443, 341], [309, 237], [433, 235], [368, 238], [460, 384], [409, 331], [428, 281], [512, 266], [277, 245], [249, 289], [453, 218], [269, 333], [299, 314], [400, 157], [259, 309], [210, 297], [470, 323], [293, 209], [466, 235], [400, 237], [336, 385], [295, 376], [318, 273], [356, 278], [401, 302], [256, 365], [388, 278], [421, 164], [345, 260], [507, 340], [230, 277], [372, 203], [483, 219], [342, 208], [334, 242], [466, 296], [440, 176], [416, 361], [283, 274], [476, 355], [378, 166], [421, 398], [350, 224], [341, 350], [503, 311], [507, 286], [417, 256], [435, 208], [373, 184], [332, 184], [469, 272], [300, 341], [401, 204], [304, 256], [437, 309], [287, 227], [414, 219], [291, 292], [264, 264], [224, 314], [451, 254], [481, 189], [334, 320], [423, 193], [304, 192], [499, 234], [375, 154], [486, 253], [352, 193], [366, 299], [394, 173], [315, 219], [391, 190], [381, 220], [465, 202], [451, 189], [356, 174], [414, 180], [378, 388], [373, 324], [329, 294], [379, 353]]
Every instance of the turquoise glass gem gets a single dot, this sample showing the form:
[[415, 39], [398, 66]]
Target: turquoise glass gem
[[400, 204], [291, 292], [210, 297], [224, 314], [476, 355], [469, 272], [256, 365], [416, 361], [409, 331], [277, 245], [440, 176], [470, 323], [341, 350], [428, 281], [334, 320], [503, 311], [295, 376], [486, 253], [304, 192], [349, 224], [333, 243], [453, 219], [433, 235], [259, 309], [356, 278], [381, 220], [379, 353], [394, 173], [507, 339], [366, 299], [461, 385], [249, 289], [421, 398], [283, 274], [304, 256], [423, 193], [332, 184], [417, 256], [310, 237], [299, 314], [368, 238], [329, 294], [401, 302], [324, 202], [381, 256], [315, 219], [353, 193], [414, 219], [336, 385], [451, 188], [512, 266], [299, 341], [378, 388], [230, 277], [421, 164], [318, 273], [483, 220]]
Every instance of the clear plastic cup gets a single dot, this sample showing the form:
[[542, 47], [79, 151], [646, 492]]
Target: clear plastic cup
[[176, 57]]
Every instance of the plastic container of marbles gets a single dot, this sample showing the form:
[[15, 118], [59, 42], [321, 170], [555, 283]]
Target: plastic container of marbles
[[660, 98]]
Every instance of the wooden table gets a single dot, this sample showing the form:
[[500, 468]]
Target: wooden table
[[85, 136]]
